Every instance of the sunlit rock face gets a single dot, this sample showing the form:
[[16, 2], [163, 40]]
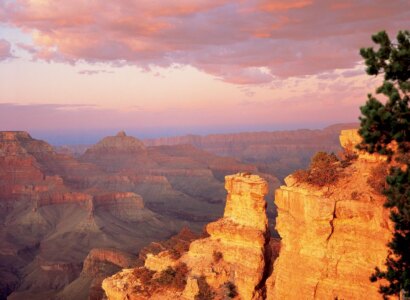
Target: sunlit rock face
[[241, 237], [237, 251], [332, 238]]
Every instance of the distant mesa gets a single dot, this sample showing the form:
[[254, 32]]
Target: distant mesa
[[121, 133], [120, 142], [13, 135]]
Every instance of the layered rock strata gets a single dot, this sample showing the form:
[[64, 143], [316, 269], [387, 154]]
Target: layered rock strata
[[277, 153], [333, 237], [236, 253]]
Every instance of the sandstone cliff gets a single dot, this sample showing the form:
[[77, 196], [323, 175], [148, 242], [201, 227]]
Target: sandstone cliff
[[233, 260], [332, 238]]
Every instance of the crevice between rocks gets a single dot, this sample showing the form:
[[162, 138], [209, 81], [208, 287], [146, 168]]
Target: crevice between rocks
[[332, 228], [315, 290], [268, 269]]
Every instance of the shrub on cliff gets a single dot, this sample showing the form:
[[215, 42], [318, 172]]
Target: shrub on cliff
[[205, 291], [171, 278], [348, 155], [377, 178], [323, 170], [385, 128], [174, 278], [230, 289], [217, 256]]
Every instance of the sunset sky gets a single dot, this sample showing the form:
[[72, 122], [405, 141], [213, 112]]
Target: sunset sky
[[87, 68]]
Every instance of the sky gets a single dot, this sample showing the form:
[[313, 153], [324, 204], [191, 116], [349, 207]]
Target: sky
[[72, 71]]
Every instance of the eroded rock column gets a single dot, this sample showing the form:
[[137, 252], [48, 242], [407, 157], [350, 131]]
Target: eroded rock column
[[237, 246]]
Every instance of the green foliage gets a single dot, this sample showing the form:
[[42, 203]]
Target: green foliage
[[323, 170], [383, 125]]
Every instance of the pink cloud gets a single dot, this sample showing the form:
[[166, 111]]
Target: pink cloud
[[5, 50], [278, 5], [229, 39], [28, 48], [93, 72]]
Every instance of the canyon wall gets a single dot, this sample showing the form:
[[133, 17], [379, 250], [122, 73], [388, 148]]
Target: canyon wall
[[332, 237], [277, 152], [120, 194], [236, 254]]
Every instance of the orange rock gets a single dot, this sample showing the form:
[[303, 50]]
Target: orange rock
[[160, 262], [236, 250], [332, 238], [103, 255], [349, 138]]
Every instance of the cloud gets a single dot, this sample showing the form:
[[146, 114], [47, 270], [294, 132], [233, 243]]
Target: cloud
[[232, 40], [93, 72], [5, 50], [28, 48], [353, 73]]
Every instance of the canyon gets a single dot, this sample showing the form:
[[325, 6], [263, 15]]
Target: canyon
[[278, 153], [236, 252], [117, 217], [332, 238], [59, 214]]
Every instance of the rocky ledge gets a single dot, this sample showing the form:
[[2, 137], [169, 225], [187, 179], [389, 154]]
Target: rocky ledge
[[233, 259], [332, 237]]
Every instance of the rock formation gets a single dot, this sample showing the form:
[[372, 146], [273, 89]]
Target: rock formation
[[119, 142], [55, 208], [234, 258], [241, 237], [181, 181], [99, 263], [277, 152], [126, 206], [332, 238], [114, 153]]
